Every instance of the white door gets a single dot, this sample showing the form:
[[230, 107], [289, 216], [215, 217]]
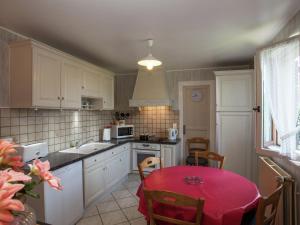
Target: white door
[[107, 91], [54, 202], [91, 83], [234, 141], [46, 79], [94, 184], [70, 85], [234, 90], [196, 112], [73, 193], [167, 155]]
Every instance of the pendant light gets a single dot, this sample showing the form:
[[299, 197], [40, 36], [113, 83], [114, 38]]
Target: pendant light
[[149, 61]]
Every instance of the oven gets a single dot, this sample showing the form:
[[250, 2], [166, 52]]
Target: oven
[[141, 151]]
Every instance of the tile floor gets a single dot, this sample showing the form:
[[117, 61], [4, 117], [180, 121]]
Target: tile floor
[[116, 208]]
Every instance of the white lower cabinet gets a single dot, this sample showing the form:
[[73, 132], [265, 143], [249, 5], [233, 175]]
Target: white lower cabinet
[[61, 207], [104, 170], [170, 155]]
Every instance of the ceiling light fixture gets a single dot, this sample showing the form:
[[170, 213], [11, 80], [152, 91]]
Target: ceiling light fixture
[[149, 61]]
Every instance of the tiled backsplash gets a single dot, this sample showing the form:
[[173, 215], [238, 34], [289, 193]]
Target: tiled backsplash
[[153, 120], [60, 129]]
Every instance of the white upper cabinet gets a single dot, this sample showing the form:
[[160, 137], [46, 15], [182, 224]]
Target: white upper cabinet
[[107, 91], [43, 77], [71, 83], [90, 83], [235, 88], [46, 78]]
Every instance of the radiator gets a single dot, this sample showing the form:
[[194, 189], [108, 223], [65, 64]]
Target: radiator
[[269, 172]]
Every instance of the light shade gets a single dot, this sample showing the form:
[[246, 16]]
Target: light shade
[[149, 61]]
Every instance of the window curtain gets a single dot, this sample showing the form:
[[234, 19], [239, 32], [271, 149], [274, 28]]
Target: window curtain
[[280, 73]]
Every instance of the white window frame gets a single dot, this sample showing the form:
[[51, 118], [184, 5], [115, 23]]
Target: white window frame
[[259, 135]]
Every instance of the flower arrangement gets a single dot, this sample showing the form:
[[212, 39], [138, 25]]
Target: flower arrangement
[[15, 184]]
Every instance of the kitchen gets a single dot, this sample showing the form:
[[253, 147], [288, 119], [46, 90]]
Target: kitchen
[[97, 117]]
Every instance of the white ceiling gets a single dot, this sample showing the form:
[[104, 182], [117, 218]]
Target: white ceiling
[[187, 33]]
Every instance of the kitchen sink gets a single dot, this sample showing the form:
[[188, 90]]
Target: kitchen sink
[[88, 148]]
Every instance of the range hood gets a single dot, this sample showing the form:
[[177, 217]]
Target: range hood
[[150, 89]]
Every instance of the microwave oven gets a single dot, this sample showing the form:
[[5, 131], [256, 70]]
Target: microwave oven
[[122, 131]]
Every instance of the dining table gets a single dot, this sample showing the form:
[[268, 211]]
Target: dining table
[[227, 195]]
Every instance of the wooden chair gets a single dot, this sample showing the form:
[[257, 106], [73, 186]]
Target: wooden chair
[[148, 162], [202, 145], [210, 156], [172, 199], [267, 208]]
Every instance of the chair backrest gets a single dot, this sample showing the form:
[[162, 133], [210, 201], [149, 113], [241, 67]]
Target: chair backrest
[[148, 162], [267, 208], [210, 156], [197, 141], [172, 199]]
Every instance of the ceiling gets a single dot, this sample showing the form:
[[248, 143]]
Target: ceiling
[[186, 33]]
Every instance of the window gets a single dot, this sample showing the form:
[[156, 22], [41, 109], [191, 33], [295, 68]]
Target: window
[[280, 73]]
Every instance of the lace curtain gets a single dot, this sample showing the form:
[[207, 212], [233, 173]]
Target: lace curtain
[[280, 73]]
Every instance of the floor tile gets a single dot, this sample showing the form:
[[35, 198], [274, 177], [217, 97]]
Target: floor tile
[[124, 223], [139, 221], [130, 184], [113, 218], [127, 202], [91, 211], [93, 220], [133, 177], [106, 198], [107, 207], [133, 190], [132, 213], [121, 194]]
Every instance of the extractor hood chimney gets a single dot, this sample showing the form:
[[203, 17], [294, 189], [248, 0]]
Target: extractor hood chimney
[[150, 89]]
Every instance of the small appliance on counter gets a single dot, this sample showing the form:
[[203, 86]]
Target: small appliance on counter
[[33, 151], [172, 133], [106, 134], [122, 131]]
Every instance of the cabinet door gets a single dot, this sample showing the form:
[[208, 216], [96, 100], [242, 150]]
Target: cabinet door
[[234, 141], [46, 78], [234, 92], [107, 91], [91, 83], [112, 171], [54, 202], [167, 155], [94, 184], [73, 193], [70, 85]]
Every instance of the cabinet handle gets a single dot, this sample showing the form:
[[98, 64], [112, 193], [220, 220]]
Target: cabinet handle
[[58, 98], [62, 98], [95, 160], [82, 87]]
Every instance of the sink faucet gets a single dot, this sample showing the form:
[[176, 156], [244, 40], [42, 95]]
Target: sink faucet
[[78, 145]]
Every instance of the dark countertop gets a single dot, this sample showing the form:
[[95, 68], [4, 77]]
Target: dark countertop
[[59, 159]]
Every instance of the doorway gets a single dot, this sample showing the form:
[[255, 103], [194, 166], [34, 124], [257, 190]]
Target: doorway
[[197, 112]]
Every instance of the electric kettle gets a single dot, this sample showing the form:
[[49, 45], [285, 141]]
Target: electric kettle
[[172, 133]]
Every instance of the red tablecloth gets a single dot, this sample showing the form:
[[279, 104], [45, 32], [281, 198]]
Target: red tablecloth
[[227, 195]]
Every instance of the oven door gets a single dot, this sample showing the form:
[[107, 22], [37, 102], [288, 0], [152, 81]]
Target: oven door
[[140, 155]]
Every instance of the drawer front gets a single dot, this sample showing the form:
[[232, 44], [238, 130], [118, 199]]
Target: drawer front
[[95, 159], [104, 155], [146, 146]]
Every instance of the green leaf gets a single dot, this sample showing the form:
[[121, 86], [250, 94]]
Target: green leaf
[[32, 194]]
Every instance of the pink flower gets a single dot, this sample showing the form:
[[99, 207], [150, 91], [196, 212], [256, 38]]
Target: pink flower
[[7, 203], [41, 169], [8, 155], [10, 175]]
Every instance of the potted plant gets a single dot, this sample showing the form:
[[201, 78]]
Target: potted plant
[[15, 184]]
